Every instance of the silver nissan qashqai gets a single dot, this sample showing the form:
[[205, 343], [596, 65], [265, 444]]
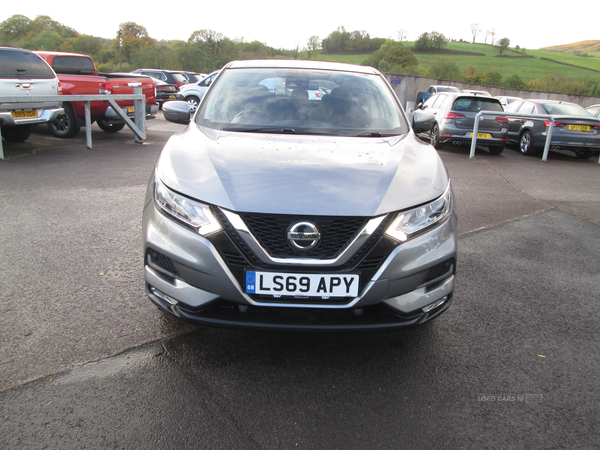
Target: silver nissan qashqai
[[299, 198]]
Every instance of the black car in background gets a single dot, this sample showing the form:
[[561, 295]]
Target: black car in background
[[168, 82], [575, 129]]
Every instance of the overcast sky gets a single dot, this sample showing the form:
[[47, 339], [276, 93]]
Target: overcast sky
[[286, 25]]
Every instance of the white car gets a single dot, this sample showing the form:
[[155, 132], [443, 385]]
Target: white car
[[192, 93], [23, 74]]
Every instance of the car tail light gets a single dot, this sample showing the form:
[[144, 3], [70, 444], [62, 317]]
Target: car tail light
[[556, 124], [178, 85], [453, 115], [596, 127], [105, 88], [60, 88], [502, 119]]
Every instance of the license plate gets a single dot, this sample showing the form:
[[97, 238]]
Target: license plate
[[130, 109], [29, 113], [172, 96], [301, 284], [579, 127], [481, 135]]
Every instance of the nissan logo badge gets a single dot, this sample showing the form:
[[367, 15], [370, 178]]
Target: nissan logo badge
[[303, 236]]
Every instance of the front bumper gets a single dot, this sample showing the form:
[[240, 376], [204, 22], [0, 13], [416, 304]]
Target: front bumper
[[198, 280]]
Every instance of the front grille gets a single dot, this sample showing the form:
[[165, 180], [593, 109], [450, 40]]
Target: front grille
[[270, 230]]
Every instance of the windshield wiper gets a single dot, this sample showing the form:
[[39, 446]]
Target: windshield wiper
[[261, 130], [376, 134]]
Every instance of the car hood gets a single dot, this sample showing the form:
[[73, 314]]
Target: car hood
[[304, 175]]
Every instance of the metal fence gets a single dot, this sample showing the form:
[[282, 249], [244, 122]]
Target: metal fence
[[138, 125]]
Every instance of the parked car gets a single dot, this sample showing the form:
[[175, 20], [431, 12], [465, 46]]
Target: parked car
[[165, 91], [449, 117], [506, 100], [172, 78], [192, 93], [475, 92], [23, 74], [193, 77], [271, 214], [78, 76], [422, 97], [575, 129], [594, 110]]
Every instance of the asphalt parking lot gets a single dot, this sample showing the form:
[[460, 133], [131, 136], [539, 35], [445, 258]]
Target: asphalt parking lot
[[88, 362]]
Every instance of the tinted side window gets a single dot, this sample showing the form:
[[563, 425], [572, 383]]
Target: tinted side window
[[430, 101], [16, 64], [527, 108], [594, 110], [440, 101]]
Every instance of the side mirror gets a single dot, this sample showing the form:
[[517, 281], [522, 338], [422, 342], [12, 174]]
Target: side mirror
[[421, 125], [176, 111]]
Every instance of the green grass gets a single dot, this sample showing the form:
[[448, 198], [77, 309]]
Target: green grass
[[527, 68]]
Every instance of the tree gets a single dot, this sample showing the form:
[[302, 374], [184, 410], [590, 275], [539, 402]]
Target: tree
[[135, 38], [391, 55], [401, 35], [444, 69], [503, 44], [431, 41], [493, 36], [514, 82], [45, 23], [475, 30], [313, 46], [15, 27]]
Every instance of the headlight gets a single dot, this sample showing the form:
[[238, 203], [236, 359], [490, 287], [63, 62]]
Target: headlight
[[194, 214], [415, 221]]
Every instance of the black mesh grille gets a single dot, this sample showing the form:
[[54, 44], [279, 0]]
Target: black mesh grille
[[270, 230], [162, 261], [439, 270]]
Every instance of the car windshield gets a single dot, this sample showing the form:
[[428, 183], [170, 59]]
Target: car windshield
[[302, 101], [565, 108]]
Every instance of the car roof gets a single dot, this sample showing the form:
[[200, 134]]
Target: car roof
[[300, 64], [546, 101]]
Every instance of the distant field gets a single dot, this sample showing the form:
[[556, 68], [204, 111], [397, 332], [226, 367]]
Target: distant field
[[526, 68]]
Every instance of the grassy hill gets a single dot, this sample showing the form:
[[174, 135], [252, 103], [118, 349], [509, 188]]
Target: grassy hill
[[527, 64], [590, 47]]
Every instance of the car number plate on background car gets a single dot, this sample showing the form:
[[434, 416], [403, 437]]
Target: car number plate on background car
[[481, 135], [579, 127], [301, 284], [29, 113]]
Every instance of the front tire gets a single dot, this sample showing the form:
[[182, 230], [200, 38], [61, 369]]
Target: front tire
[[65, 126], [110, 127], [435, 137], [526, 144]]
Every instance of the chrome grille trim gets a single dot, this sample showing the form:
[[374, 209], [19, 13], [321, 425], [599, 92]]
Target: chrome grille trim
[[362, 236]]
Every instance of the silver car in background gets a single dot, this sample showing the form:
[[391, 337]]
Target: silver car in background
[[279, 212], [25, 74], [575, 129], [449, 118], [192, 93]]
